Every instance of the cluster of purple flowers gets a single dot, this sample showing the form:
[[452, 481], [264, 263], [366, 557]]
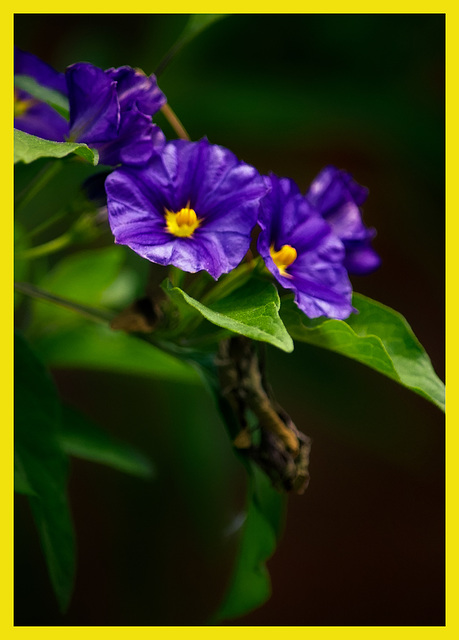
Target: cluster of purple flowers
[[194, 205], [109, 110]]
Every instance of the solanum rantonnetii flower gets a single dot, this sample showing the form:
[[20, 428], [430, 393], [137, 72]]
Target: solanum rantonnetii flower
[[302, 252], [110, 110], [31, 115], [338, 198], [193, 206]]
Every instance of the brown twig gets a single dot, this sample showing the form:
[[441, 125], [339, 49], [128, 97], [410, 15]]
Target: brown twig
[[282, 450], [175, 122]]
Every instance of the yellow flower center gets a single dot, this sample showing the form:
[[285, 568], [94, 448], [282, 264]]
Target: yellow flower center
[[183, 223], [283, 258], [22, 106]]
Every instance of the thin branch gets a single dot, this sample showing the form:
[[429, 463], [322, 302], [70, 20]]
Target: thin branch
[[175, 122], [97, 315], [57, 244], [36, 184]]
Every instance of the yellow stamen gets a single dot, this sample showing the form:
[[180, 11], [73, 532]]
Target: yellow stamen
[[283, 258], [183, 223], [22, 106]]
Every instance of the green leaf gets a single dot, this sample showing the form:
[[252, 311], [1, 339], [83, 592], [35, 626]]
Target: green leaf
[[195, 25], [21, 267], [378, 337], [21, 243], [251, 310], [81, 438], [21, 482], [93, 346], [28, 148], [42, 466], [82, 278], [93, 313], [55, 99], [250, 585]]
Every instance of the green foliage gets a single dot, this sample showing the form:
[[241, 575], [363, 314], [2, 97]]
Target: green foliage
[[21, 267], [378, 337], [55, 99], [251, 310], [250, 585], [42, 466], [28, 148], [82, 278], [64, 338], [90, 346], [198, 22], [45, 432], [81, 438], [21, 482], [195, 25]]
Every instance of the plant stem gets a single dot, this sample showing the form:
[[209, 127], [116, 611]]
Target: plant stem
[[176, 276], [175, 122], [92, 313], [36, 185], [47, 248], [236, 278], [47, 223], [168, 57], [101, 316]]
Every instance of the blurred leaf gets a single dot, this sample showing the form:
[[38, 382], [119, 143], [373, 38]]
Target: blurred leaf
[[92, 346], [271, 503], [82, 278], [124, 288], [28, 148], [21, 243], [81, 438], [378, 337], [43, 466], [250, 586], [21, 267], [93, 313], [21, 483], [251, 310], [195, 25], [55, 99]]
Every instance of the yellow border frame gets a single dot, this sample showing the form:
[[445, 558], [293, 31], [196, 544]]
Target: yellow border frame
[[6, 270]]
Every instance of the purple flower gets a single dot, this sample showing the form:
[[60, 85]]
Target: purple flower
[[302, 252], [31, 115], [338, 199], [193, 206], [110, 110]]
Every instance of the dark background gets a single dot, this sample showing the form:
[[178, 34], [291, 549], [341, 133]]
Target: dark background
[[365, 544]]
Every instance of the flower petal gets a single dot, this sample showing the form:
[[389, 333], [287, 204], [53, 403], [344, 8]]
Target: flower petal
[[332, 187], [338, 198], [26, 64], [279, 210], [137, 140], [39, 119], [134, 88], [316, 274], [361, 260], [223, 192], [94, 107]]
